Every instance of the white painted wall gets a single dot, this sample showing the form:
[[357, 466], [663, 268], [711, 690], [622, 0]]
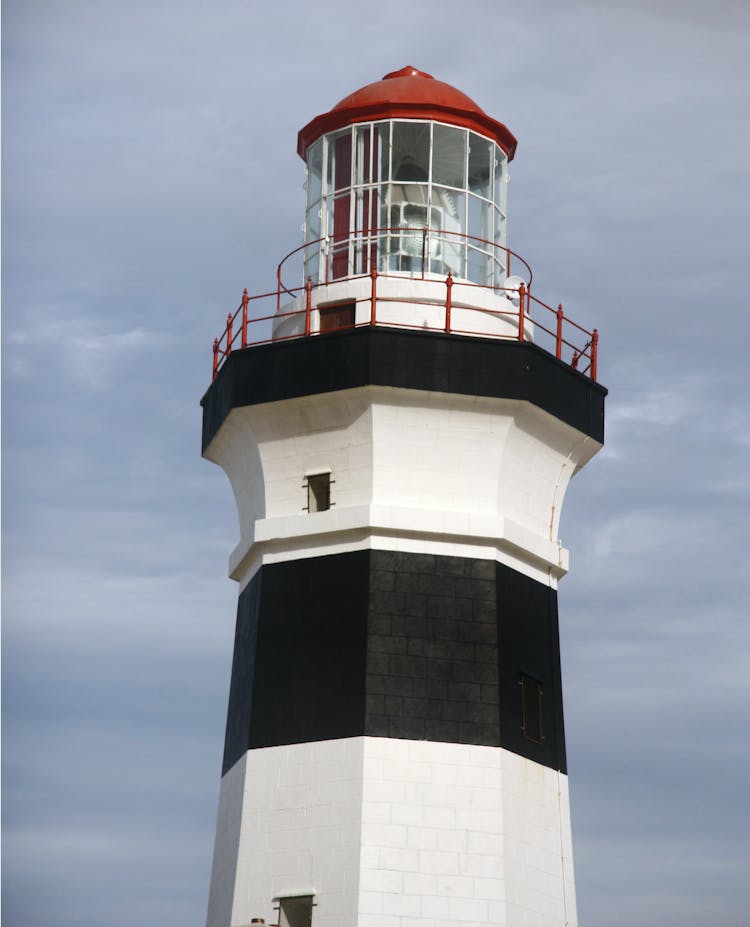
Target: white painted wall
[[300, 809], [427, 472], [397, 833], [408, 301], [462, 835], [230, 822]]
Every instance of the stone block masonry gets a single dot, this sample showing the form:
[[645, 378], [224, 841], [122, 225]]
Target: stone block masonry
[[432, 670]]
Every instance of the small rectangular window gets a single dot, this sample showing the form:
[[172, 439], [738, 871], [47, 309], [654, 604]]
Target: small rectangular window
[[296, 911], [531, 706], [318, 492]]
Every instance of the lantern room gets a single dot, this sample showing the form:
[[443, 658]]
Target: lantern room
[[408, 175], [406, 227]]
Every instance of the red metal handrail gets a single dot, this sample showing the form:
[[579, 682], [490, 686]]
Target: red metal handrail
[[359, 238], [580, 354]]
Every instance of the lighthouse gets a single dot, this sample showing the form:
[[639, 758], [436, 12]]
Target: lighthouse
[[399, 415]]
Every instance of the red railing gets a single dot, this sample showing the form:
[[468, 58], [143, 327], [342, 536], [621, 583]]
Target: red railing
[[568, 340], [366, 244]]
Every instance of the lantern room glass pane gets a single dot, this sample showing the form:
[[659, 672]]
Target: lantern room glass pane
[[499, 179], [449, 156], [312, 234], [365, 220], [498, 275], [412, 217], [451, 206], [341, 229], [383, 151], [381, 207], [449, 225], [329, 155], [500, 257], [414, 194], [340, 160], [313, 222], [499, 229], [479, 267], [479, 220], [447, 253], [362, 154], [480, 152], [315, 171], [411, 151]]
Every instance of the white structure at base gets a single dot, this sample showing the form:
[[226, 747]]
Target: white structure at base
[[394, 833]]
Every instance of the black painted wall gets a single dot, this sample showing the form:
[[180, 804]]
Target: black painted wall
[[432, 669], [407, 360], [299, 655], [393, 644], [529, 643]]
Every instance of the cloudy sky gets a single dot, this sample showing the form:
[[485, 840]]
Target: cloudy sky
[[150, 172]]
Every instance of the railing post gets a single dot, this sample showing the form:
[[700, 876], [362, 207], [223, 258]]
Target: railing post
[[373, 292], [216, 358], [448, 301], [558, 341], [308, 304], [594, 351], [229, 335], [245, 300], [278, 288], [424, 244], [521, 310]]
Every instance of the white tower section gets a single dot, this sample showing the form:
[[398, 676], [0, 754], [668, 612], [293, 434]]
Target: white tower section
[[399, 452]]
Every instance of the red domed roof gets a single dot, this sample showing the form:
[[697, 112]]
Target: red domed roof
[[409, 94]]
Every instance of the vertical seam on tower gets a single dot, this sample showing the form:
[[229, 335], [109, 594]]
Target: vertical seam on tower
[[557, 485]]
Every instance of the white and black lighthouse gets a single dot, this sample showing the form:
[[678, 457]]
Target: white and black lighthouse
[[399, 420]]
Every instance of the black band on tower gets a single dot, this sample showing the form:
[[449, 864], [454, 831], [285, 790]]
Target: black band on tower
[[402, 645], [404, 359]]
